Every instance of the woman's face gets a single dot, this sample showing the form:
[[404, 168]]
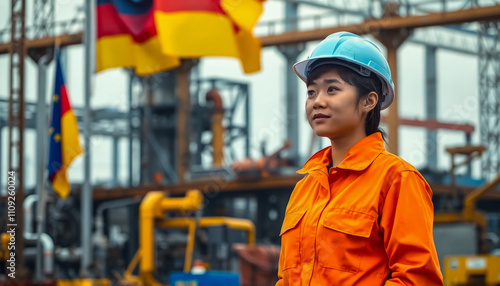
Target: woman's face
[[331, 106]]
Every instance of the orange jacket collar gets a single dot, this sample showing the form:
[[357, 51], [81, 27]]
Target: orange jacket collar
[[358, 158]]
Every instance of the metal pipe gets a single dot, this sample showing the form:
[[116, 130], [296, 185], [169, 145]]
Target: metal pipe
[[86, 195], [43, 239], [3, 190], [217, 127], [114, 161], [247, 122], [130, 127], [41, 133], [48, 252], [99, 219], [291, 93], [99, 238], [64, 254], [27, 208]]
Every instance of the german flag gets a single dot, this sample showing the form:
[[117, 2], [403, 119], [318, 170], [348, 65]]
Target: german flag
[[64, 144], [126, 37], [152, 35]]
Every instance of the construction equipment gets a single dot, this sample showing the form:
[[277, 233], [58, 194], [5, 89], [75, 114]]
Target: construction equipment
[[461, 235], [472, 270], [263, 166], [152, 213]]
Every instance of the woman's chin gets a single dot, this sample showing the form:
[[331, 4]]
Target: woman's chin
[[324, 133]]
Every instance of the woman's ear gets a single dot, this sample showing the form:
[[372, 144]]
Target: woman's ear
[[370, 101]]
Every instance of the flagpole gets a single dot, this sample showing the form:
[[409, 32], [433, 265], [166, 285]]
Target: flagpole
[[42, 130], [86, 194]]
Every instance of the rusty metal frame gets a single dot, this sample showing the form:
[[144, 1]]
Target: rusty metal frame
[[16, 120]]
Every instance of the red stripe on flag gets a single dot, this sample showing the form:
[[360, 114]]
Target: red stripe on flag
[[190, 5], [110, 23], [65, 105]]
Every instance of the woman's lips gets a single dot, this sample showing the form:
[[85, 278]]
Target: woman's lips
[[320, 117]]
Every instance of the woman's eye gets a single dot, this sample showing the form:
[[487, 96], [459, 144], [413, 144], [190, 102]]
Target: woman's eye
[[310, 93], [332, 89]]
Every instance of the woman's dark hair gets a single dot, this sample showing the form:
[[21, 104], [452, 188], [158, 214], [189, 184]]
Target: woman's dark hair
[[364, 85]]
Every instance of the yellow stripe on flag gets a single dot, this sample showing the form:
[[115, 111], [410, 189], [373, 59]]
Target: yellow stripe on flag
[[193, 34], [249, 48], [244, 13], [71, 148], [121, 51]]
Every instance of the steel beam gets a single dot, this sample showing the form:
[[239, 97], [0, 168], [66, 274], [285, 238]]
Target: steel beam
[[374, 25], [64, 40], [431, 105], [294, 37]]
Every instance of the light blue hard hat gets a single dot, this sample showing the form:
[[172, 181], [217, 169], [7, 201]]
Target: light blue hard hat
[[354, 52]]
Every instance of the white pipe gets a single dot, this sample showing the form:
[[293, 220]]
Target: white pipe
[[45, 239], [28, 213], [48, 253]]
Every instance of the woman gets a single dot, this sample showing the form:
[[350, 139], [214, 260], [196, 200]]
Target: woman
[[361, 216]]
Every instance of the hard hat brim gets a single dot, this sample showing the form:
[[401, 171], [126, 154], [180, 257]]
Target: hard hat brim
[[301, 70]]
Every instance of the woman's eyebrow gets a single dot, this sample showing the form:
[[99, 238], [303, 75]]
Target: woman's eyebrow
[[333, 80]]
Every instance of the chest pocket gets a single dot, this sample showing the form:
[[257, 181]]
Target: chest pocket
[[291, 235], [342, 239]]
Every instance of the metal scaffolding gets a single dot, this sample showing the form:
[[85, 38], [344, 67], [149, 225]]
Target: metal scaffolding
[[489, 97], [16, 119]]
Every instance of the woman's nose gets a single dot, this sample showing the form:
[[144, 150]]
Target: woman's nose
[[319, 101]]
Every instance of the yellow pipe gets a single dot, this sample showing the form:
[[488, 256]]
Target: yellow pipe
[[188, 259], [148, 210], [232, 223], [131, 266], [5, 243], [191, 202], [471, 198], [154, 206]]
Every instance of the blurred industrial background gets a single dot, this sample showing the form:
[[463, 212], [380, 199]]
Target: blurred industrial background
[[190, 169]]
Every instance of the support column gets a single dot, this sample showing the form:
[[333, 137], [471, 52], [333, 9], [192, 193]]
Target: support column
[[130, 129], [392, 39], [114, 161], [41, 158], [431, 104], [183, 113], [86, 195], [291, 84], [393, 113]]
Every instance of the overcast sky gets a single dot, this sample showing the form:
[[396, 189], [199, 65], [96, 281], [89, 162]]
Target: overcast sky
[[457, 97]]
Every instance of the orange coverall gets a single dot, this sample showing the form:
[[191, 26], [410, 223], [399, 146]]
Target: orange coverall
[[367, 222]]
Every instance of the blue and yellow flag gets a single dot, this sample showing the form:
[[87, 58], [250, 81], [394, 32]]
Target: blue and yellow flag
[[64, 144]]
